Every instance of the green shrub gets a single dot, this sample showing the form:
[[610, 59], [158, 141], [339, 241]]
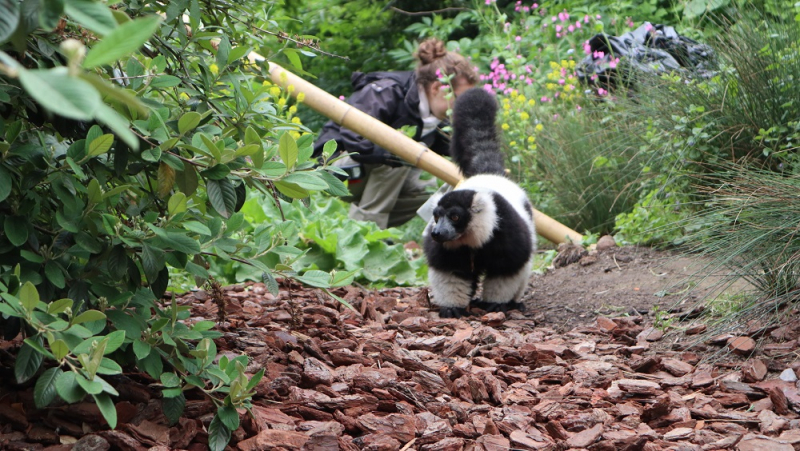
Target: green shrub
[[126, 153]]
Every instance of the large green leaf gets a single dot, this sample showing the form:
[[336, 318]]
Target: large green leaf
[[218, 434], [125, 39], [50, 13], [107, 408], [68, 388], [117, 123], [28, 362], [45, 390], [229, 417], [222, 196], [5, 183], [9, 18], [16, 229], [173, 408], [287, 148], [60, 93], [93, 15]]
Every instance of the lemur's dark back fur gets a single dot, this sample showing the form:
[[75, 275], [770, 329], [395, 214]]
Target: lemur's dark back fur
[[475, 144]]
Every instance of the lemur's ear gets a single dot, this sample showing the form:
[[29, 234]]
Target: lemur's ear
[[479, 202]]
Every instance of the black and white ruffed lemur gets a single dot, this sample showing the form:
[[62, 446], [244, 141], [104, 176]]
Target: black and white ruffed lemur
[[484, 227]]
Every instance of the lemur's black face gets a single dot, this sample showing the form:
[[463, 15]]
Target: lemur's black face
[[452, 216]]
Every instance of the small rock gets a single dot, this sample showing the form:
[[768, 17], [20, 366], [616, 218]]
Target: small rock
[[754, 370], [606, 324], [606, 242], [788, 375], [752, 442], [742, 345], [651, 334], [678, 434], [695, 329], [676, 367], [586, 437], [91, 443]]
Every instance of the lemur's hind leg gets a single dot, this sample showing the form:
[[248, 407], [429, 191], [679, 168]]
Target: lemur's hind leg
[[504, 293]]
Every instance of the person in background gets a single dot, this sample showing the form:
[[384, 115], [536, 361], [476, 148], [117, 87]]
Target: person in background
[[385, 189]]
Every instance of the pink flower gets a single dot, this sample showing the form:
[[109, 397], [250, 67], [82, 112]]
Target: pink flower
[[629, 22], [561, 81], [558, 35], [571, 28], [544, 99], [577, 24], [516, 8], [559, 28], [528, 69], [553, 19], [613, 63], [563, 16], [587, 49], [555, 116], [598, 54], [578, 107], [528, 80], [518, 38], [535, 5], [648, 27], [544, 24], [526, 9], [489, 2], [341, 97], [598, 17], [488, 88], [602, 91], [593, 77], [438, 73], [586, 19]]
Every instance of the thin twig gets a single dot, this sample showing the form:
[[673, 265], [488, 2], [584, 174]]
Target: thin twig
[[427, 13]]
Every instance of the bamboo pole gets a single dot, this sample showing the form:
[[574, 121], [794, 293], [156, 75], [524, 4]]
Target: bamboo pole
[[397, 143]]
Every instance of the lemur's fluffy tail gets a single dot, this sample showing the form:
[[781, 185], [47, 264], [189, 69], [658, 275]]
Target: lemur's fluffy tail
[[475, 146]]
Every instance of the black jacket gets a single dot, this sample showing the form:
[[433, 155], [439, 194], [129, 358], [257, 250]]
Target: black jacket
[[392, 98]]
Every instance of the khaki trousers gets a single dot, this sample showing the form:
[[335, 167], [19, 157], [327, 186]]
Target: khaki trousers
[[389, 196]]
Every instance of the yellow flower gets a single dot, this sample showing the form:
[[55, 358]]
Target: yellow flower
[[266, 83], [531, 139], [295, 135], [539, 127], [281, 102], [183, 96], [301, 96], [551, 86], [283, 77], [553, 65], [521, 98], [512, 144], [564, 63], [296, 120], [524, 116], [214, 69], [290, 88], [572, 64], [531, 102], [506, 106], [293, 109], [505, 126], [274, 91]]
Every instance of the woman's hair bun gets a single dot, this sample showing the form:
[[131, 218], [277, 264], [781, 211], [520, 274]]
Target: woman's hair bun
[[430, 50]]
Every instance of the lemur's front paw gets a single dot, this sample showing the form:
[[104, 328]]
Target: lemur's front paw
[[452, 312]]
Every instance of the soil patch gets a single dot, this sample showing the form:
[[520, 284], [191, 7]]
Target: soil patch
[[618, 281]]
